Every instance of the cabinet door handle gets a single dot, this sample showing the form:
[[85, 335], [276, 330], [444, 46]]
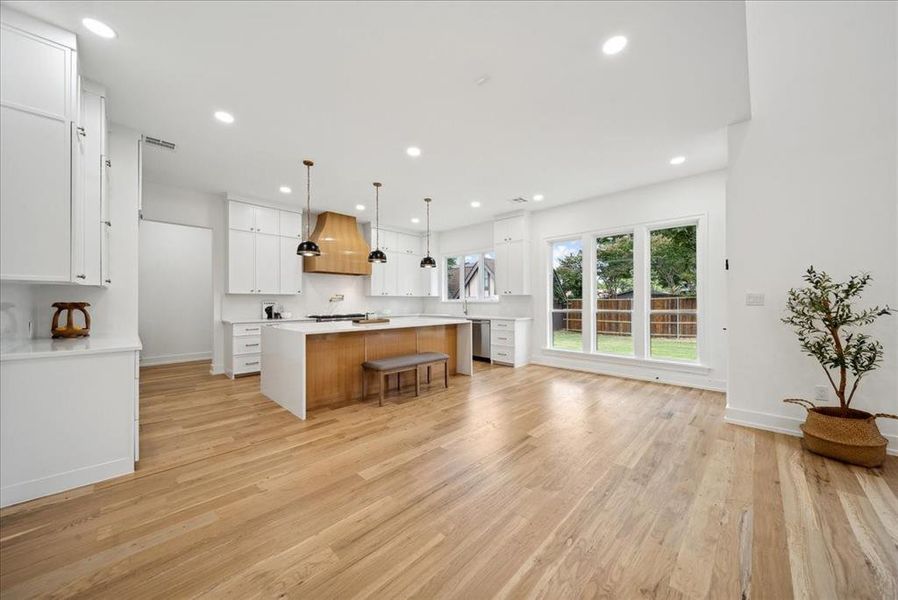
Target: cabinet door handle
[[108, 281], [81, 276], [82, 132], [108, 163], [107, 223]]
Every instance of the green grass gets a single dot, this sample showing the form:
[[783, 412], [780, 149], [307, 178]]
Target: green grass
[[663, 348]]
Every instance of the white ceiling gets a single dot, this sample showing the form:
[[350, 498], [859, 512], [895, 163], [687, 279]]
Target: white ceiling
[[351, 85]]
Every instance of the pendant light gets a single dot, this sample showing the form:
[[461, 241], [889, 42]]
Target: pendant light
[[308, 247], [428, 262], [377, 255]]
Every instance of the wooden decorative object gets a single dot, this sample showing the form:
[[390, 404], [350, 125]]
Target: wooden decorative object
[[370, 321], [343, 249], [70, 330]]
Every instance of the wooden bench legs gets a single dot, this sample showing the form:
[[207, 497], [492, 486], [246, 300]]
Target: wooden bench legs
[[385, 379]]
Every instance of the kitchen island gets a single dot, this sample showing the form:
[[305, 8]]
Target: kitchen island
[[306, 366]]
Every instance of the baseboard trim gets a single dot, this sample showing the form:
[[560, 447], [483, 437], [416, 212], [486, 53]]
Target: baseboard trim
[[639, 373], [61, 482], [170, 359], [782, 424]]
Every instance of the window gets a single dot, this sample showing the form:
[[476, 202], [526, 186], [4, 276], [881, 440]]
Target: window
[[471, 274], [614, 294], [673, 311], [635, 296], [567, 292]]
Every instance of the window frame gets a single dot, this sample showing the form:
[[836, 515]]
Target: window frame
[[550, 299], [640, 324], [481, 266]]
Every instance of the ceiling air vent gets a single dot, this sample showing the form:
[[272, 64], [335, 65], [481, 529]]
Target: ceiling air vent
[[518, 200], [159, 143]]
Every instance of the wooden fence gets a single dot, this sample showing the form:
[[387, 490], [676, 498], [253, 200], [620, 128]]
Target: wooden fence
[[614, 316]]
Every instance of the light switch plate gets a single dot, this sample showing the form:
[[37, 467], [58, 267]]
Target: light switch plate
[[754, 299]]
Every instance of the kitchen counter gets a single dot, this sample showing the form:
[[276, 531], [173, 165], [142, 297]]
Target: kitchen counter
[[24, 349], [319, 365]]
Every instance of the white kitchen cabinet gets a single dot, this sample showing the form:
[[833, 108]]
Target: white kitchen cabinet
[[402, 275], [38, 117], [290, 267], [267, 264], [290, 225], [261, 241], [241, 262], [510, 239], [510, 229], [89, 209], [241, 216], [510, 341]]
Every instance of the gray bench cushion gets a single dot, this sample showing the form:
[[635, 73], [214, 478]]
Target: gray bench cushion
[[402, 362]]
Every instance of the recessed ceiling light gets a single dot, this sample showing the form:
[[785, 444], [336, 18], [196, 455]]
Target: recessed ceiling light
[[475, 204], [678, 160], [613, 45], [538, 197], [360, 207], [98, 27], [416, 220], [413, 151], [285, 189], [224, 117]]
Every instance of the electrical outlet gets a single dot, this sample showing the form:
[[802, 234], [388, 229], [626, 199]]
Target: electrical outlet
[[754, 299], [821, 393]]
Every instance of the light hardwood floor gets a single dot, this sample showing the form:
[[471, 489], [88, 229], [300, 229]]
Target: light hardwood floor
[[532, 482]]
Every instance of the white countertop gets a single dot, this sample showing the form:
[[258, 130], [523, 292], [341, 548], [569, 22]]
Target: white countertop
[[254, 321], [347, 326], [24, 349], [487, 318]]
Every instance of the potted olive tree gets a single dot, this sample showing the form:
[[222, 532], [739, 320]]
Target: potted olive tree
[[827, 327]]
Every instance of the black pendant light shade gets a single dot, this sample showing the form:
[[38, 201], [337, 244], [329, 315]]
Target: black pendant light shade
[[377, 255], [428, 262], [307, 247]]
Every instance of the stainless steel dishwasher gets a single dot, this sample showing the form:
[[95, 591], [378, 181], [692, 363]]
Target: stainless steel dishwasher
[[481, 335]]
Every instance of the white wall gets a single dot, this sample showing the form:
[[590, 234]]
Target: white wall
[[812, 180], [170, 204], [175, 282]]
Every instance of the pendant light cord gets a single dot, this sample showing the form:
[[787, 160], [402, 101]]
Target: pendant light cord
[[377, 215], [308, 197], [427, 201]]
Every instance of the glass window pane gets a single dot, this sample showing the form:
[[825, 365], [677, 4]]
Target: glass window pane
[[673, 323], [567, 286], [489, 275], [472, 279], [567, 330], [614, 294], [567, 275], [453, 278]]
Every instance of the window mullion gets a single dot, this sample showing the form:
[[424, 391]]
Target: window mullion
[[641, 293], [589, 293]]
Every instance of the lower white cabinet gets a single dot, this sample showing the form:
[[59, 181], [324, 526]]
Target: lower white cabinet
[[510, 341], [54, 438], [243, 348]]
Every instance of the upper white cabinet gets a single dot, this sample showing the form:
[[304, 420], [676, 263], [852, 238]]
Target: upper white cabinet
[[402, 274], [38, 130], [91, 223], [510, 239], [262, 255]]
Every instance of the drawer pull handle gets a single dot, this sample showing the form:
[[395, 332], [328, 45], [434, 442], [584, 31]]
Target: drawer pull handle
[[252, 363], [254, 329], [250, 345]]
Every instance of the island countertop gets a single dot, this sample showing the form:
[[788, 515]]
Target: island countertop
[[312, 328]]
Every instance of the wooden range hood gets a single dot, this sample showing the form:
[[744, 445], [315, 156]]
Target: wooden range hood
[[343, 249]]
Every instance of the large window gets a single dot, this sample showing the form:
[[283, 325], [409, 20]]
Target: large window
[[673, 311], [614, 294], [473, 275], [567, 293], [635, 296]]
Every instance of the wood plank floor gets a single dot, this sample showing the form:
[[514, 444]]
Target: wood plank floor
[[526, 483]]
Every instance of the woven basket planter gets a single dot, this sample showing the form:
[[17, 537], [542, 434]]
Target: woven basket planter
[[853, 439]]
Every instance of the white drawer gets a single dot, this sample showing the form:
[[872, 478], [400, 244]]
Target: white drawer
[[248, 363], [501, 325], [502, 354], [502, 337], [248, 329], [247, 344]]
